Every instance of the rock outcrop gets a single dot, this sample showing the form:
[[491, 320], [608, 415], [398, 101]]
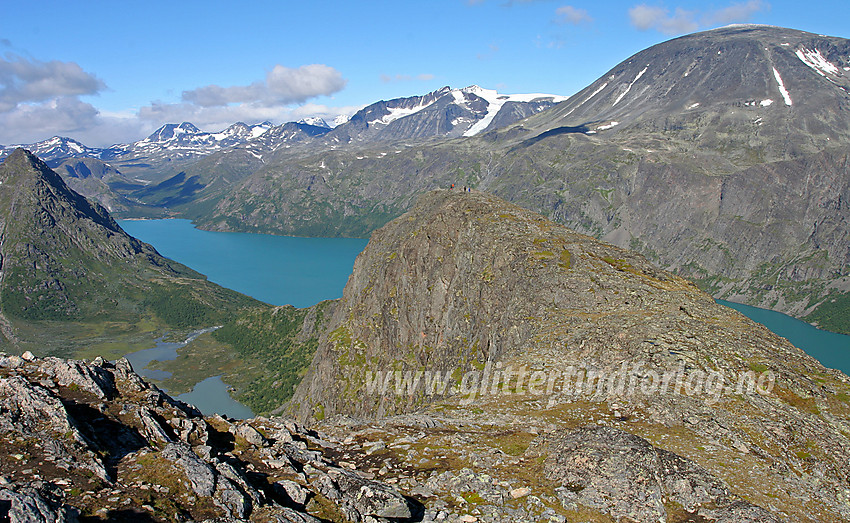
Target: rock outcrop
[[93, 440], [471, 309]]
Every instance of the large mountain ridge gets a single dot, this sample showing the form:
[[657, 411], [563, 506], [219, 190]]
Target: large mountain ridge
[[67, 269], [686, 152], [720, 155]]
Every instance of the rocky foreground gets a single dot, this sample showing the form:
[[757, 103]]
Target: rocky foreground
[[91, 441]]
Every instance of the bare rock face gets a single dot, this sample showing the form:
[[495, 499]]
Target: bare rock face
[[92, 439], [625, 476], [28, 505]]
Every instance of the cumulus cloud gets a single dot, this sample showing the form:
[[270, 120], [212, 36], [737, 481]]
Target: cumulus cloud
[[42, 99], [28, 122], [25, 81], [742, 12], [645, 17], [39, 99], [282, 86], [568, 14]]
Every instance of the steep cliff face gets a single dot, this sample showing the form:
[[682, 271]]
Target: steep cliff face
[[488, 297]]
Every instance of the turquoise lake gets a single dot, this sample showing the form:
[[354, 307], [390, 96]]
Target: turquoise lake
[[831, 349], [304, 271], [279, 270]]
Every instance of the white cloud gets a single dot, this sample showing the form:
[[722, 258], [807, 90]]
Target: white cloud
[[282, 86], [645, 17], [25, 81], [28, 122], [41, 99], [736, 12], [568, 14]]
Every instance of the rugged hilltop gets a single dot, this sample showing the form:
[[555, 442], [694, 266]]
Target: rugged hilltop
[[465, 286]]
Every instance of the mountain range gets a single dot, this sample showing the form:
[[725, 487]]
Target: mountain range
[[720, 155]]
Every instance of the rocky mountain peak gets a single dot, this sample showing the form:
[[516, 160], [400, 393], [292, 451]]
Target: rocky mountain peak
[[752, 78], [36, 183], [64, 259], [460, 304], [172, 131]]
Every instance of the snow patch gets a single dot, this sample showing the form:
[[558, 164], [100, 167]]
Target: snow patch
[[399, 112], [607, 126], [495, 101], [693, 106], [259, 130], [765, 103], [460, 99], [629, 88], [816, 61], [594, 93], [782, 89]]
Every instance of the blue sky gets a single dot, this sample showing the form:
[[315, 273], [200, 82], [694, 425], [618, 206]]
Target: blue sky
[[108, 72]]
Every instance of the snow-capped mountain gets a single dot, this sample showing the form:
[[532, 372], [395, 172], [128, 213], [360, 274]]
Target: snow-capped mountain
[[314, 121], [185, 140], [340, 119], [55, 149], [786, 90], [447, 112], [286, 135]]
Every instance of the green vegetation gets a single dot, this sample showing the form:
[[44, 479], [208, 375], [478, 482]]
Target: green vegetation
[[269, 338], [833, 314], [566, 259], [179, 309]]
